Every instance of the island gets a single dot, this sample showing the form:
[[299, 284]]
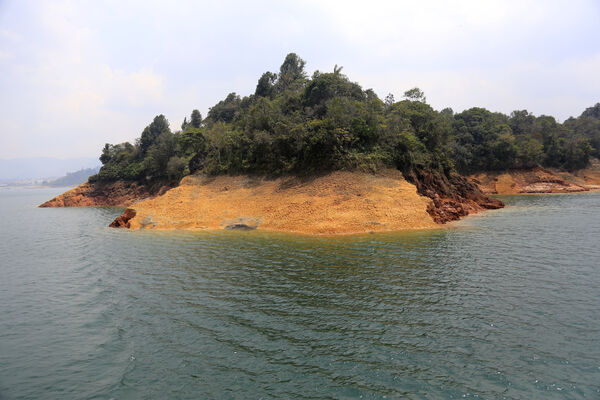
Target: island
[[321, 155]]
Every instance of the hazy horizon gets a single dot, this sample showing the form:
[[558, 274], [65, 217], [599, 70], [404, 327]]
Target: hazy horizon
[[76, 75], [27, 168]]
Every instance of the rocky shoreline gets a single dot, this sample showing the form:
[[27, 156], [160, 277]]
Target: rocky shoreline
[[453, 196], [335, 203], [339, 202], [538, 181], [106, 194]]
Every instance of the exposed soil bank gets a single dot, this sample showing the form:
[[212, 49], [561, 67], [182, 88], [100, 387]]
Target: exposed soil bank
[[539, 180], [588, 178], [332, 204], [118, 194], [336, 203]]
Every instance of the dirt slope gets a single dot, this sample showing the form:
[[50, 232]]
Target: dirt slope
[[336, 203], [534, 180]]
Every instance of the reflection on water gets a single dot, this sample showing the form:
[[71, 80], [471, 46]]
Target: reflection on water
[[500, 305]]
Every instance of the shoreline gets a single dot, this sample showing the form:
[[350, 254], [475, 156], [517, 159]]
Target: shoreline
[[455, 224], [538, 180], [339, 203], [217, 231]]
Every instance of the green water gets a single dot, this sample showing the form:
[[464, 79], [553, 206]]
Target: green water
[[503, 305]]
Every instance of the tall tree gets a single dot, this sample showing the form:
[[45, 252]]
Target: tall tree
[[291, 72], [389, 100], [196, 119], [151, 133]]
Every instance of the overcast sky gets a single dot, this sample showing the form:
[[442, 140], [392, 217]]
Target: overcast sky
[[77, 74]]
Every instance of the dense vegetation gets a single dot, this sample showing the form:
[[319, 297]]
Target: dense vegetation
[[296, 124]]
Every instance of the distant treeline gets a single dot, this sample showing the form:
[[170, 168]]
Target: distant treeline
[[73, 178], [296, 124]]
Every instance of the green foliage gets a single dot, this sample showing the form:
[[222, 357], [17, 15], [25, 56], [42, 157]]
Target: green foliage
[[225, 110], [266, 85], [291, 73], [196, 119], [415, 94], [151, 133], [588, 126], [292, 124], [176, 167]]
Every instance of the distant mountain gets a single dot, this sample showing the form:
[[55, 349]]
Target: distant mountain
[[42, 167], [73, 178]]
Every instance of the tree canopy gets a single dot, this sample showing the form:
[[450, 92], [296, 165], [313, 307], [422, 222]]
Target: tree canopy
[[296, 124]]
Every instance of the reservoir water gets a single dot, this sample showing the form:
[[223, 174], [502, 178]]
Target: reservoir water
[[505, 304]]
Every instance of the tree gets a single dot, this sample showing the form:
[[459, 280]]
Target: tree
[[175, 168], [291, 72], [588, 125], [326, 86], [415, 94], [523, 123], [158, 155], [225, 110], [592, 112], [151, 133], [389, 100], [292, 124], [264, 87], [105, 156], [196, 119]]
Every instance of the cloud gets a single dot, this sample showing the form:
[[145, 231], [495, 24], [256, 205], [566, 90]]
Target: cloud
[[503, 55], [65, 97], [77, 74]]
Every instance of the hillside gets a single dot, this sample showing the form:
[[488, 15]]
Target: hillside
[[73, 178]]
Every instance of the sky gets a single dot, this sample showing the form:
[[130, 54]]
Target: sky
[[77, 74]]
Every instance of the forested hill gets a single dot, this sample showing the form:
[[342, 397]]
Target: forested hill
[[72, 178], [299, 124]]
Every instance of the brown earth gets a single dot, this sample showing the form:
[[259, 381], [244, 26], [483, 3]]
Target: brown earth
[[332, 204], [336, 203], [119, 194], [588, 178], [536, 180]]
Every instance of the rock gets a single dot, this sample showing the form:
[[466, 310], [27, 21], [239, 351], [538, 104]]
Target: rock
[[102, 194], [122, 221], [242, 227], [452, 195], [242, 224]]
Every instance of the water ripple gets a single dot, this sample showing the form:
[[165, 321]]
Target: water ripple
[[503, 305]]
